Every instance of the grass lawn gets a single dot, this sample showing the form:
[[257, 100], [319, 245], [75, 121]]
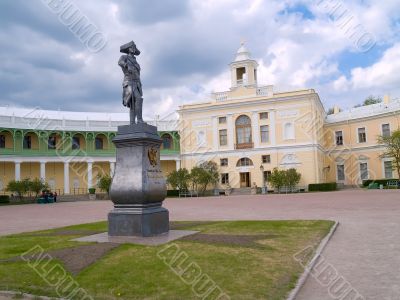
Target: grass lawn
[[246, 259]]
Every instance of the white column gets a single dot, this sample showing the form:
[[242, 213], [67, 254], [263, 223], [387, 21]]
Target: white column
[[231, 133], [43, 171], [112, 168], [90, 174], [177, 164], [256, 129], [215, 133], [17, 170], [272, 127], [66, 177]]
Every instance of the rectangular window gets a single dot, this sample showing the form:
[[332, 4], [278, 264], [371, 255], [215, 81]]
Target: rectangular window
[[51, 143], [2, 141], [222, 120], [263, 116], [267, 174], [364, 171], [99, 143], [76, 143], [264, 130], [224, 162], [339, 138], [388, 169], [362, 136], [223, 137], [266, 159], [385, 130], [224, 178], [27, 142], [340, 173]]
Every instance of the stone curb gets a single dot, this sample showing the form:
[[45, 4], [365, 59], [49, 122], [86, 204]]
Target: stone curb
[[302, 280], [12, 294]]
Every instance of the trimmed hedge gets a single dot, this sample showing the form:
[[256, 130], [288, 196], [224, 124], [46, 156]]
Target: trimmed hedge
[[322, 187], [172, 193], [366, 183], [4, 199]]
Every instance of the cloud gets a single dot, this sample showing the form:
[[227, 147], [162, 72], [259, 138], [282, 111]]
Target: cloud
[[186, 48]]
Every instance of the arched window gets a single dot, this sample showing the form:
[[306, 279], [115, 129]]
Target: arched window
[[244, 162], [288, 131], [243, 130], [166, 141]]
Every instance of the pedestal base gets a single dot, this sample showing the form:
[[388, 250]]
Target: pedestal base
[[138, 220]]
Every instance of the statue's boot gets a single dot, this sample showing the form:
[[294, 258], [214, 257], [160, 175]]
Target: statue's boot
[[138, 108]]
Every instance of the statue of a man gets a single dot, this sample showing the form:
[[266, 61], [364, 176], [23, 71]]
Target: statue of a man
[[132, 95]]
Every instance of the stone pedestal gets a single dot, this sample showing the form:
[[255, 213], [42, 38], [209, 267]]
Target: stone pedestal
[[138, 187]]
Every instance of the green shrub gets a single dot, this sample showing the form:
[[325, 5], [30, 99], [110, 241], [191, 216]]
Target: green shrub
[[4, 199], [92, 191], [378, 181], [322, 187]]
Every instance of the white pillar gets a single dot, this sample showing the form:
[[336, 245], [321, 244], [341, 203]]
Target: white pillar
[[112, 168], [215, 133], [231, 131], [256, 129], [177, 164], [272, 128], [17, 170], [90, 174], [43, 171], [66, 177]]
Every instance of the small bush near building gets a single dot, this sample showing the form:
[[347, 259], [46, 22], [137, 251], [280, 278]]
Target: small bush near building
[[172, 193], [4, 199], [322, 187], [384, 182]]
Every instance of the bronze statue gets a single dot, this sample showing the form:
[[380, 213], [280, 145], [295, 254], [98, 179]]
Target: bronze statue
[[132, 95]]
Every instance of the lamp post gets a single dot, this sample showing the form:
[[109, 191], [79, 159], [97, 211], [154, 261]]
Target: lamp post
[[263, 179]]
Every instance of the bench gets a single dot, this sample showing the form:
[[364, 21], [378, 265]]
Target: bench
[[392, 184]]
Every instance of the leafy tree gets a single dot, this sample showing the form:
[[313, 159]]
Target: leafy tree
[[36, 185], [179, 179], [370, 100], [20, 187], [392, 145], [104, 182], [195, 177], [277, 178], [208, 176], [292, 177]]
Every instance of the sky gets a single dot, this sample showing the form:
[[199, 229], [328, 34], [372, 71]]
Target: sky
[[345, 50]]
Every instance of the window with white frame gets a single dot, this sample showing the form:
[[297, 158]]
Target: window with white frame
[[340, 173], [223, 137], [385, 130], [224, 162], [222, 120], [263, 116], [266, 159], [362, 136], [388, 169], [288, 131], [225, 178], [264, 131], [364, 171], [339, 137]]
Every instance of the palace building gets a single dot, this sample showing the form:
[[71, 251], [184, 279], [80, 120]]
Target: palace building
[[247, 131]]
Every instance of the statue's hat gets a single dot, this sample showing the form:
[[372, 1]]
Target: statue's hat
[[124, 48]]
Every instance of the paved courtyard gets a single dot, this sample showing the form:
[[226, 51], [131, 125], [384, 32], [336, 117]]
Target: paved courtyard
[[364, 250]]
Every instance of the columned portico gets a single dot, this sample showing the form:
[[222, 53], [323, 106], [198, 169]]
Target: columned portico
[[66, 177], [112, 168], [178, 164], [272, 127], [90, 174], [229, 121], [255, 129], [43, 171], [17, 170]]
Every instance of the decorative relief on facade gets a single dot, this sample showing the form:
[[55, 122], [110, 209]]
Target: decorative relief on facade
[[290, 161], [200, 123], [288, 113], [152, 155]]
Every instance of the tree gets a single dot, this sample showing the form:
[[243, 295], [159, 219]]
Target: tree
[[370, 100], [179, 179], [36, 186], [195, 177], [277, 178], [20, 187], [104, 182], [208, 176], [292, 178], [392, 145]]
